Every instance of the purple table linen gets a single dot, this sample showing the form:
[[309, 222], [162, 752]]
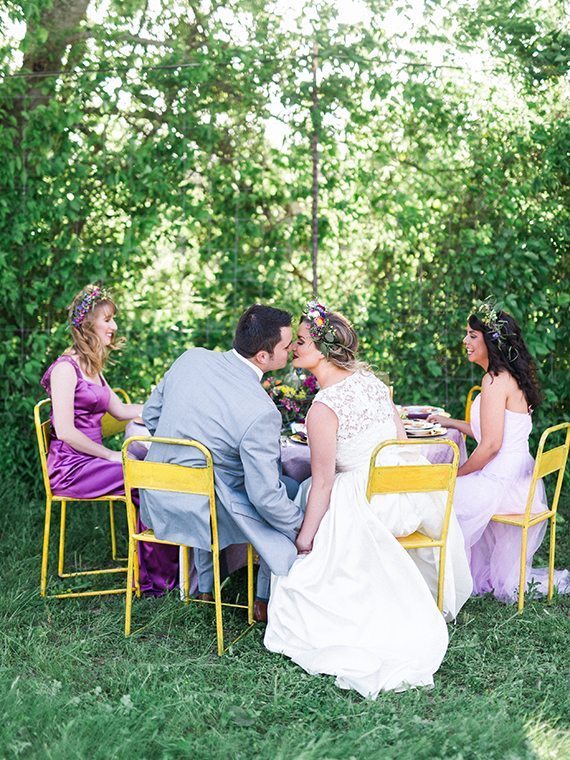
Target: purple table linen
[[296, 457]]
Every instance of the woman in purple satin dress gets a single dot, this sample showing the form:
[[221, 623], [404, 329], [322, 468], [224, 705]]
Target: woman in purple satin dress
[[79, 464], [496, 477]]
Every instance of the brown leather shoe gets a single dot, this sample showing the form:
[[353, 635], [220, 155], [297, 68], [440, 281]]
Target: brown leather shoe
[[206, 597], [260, 611]]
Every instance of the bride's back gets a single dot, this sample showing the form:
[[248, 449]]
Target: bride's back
[[365, 415]]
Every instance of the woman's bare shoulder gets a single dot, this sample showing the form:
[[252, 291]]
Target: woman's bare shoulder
[[496, 384], [64, 371]]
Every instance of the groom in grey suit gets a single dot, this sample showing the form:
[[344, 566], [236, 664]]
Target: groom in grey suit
[[216, 398]]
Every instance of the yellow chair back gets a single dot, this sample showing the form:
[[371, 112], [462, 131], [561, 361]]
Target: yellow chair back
[[43, 432], [160, 476], [549, 461], [111, 426], [384, 479], [469, 401]]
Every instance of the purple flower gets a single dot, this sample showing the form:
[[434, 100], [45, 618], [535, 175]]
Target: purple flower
[[310, 383]]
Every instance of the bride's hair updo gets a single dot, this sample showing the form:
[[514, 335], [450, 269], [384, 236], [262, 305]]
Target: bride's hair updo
[[343, 351], [506, 349]]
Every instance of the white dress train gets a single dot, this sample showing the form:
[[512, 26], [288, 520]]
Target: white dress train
[[358, 607]]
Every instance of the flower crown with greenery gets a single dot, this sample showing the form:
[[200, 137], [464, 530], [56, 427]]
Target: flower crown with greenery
[[487, 312], [89, 299], [320, 328]]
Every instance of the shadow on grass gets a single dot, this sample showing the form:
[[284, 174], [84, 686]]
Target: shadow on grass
[[72, 686]]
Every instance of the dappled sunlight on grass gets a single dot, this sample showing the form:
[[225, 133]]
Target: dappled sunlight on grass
[[72, 686], [547, 741]]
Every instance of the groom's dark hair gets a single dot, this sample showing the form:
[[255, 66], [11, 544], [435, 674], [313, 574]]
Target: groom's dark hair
[[259, 329]]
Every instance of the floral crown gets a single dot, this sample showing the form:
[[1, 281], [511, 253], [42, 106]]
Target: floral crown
[[321, 329], [487, 312], [89, 299]]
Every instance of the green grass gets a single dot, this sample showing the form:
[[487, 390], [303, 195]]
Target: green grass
[[72, 686]]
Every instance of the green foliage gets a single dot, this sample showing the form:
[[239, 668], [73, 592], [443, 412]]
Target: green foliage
[[146, 162]]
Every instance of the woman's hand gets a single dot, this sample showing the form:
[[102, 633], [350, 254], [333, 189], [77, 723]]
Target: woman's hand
[[304, 546], [440, 419]]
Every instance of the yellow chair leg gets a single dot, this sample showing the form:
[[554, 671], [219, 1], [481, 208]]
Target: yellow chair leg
[[61, 558], [441, 578], [522, 575], [551, 557], [250, 593], [136, 569], [218, 603], [129, 594], [185, 574], [45, 548], [112, 529]]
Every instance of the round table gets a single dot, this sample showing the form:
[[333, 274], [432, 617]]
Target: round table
[[296, 457]]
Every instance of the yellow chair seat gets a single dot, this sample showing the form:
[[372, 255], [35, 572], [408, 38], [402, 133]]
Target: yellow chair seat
[[418, 540], [148, 535], [107, 497], [519, 519]]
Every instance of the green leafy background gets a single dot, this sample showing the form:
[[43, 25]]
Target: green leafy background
[[146, 162]]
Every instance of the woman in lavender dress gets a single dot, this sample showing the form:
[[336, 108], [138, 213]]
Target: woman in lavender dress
[[79, 464], [496, 477]]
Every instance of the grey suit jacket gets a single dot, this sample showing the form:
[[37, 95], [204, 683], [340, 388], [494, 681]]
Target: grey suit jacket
[[217, 399]]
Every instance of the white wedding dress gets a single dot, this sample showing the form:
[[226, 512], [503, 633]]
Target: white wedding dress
[[359, 606]]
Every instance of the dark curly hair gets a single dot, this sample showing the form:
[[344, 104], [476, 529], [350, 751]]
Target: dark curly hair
[[508, 352]]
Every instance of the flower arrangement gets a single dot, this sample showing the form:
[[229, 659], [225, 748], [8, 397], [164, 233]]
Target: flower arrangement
[[292, 396]]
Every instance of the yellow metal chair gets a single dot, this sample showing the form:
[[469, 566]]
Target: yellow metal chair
[[110, 426], [547, 463], [469, 401], [160, 476], [387, 479]]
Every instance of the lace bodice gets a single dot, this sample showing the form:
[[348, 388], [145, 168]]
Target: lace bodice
[[365, 415], [360, 401]]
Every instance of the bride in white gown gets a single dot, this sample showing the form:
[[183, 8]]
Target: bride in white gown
[[355, 603]]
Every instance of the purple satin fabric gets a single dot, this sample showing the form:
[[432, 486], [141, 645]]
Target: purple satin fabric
[[83, 476]]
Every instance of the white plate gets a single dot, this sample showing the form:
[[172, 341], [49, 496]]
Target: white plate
[[418, 425], [435, 432], [423, 409]]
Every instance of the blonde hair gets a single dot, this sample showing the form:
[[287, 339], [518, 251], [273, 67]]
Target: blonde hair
[[344, 351], [92, 354]]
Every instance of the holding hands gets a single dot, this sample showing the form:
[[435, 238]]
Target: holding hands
[[303, 545]]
